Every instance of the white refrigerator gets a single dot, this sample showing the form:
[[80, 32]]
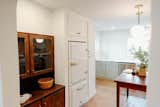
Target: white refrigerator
[[78, 73]]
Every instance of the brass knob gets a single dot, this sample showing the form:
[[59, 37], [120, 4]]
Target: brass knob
[[45, 103], [73, 64], [28, 71], [78, 33]]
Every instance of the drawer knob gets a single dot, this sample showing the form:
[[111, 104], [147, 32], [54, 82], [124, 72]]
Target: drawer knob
[[44, 103]]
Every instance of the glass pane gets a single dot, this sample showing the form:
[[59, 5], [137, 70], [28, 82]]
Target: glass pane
[[42, 58], [41, 45], [22, 65], [42, 62], [21, 50]]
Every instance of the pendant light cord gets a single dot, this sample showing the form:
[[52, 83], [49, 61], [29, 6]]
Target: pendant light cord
[[139, 11]]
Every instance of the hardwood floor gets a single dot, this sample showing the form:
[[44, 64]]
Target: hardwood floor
[[106, 96]]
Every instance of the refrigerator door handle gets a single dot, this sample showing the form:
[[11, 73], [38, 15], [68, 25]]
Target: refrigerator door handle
[[73, 64]]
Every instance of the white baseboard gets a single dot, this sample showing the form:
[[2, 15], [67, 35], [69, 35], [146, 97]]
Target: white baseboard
[[92, 95]]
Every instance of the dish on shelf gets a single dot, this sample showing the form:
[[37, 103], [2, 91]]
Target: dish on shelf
[[45, 83], [25, 97]]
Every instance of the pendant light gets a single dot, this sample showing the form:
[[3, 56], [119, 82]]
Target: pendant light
[[138, 30]]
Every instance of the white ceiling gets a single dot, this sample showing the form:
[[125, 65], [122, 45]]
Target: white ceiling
[[108, 14]]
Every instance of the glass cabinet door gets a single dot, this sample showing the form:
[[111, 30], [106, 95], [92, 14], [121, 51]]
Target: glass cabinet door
[[41, 53], [23, 54]]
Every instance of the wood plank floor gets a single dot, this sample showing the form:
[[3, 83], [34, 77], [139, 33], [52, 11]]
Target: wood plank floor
[[106, 96]]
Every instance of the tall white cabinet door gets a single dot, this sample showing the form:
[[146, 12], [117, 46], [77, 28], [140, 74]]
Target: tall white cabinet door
[[84, 92], [78, 94], [78, 62], [77, 27], [75, 95]]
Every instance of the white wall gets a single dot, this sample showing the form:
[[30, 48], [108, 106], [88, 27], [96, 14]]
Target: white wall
[[113, 45], [97, 45], [58, 25], [91, 47], [9, 54], [1, 86], [61, 49], [153, 94], [34, 18]]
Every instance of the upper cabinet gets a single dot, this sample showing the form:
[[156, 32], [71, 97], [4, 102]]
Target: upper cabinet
[[23, 49], [77, 27], [41, 52], [36, 54]]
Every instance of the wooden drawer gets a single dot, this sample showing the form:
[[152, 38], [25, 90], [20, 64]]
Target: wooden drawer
[[35, 104]]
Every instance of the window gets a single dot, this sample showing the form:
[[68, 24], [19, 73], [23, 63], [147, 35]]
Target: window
[[140, 38]]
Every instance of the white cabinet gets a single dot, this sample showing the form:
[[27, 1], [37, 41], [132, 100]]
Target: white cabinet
[[100, 69], [77, 27], [78, 94], [71, 61], [107, 69], [111, 69], [78, 73], [78, 62], [75, 95], [84, 92]]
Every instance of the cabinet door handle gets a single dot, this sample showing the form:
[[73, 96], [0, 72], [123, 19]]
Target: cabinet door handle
[[86, 72], [78, 33], [78, 89], [73, 63], [87, 50]]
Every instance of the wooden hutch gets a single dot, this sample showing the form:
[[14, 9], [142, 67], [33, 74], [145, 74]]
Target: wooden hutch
[[36, 60]]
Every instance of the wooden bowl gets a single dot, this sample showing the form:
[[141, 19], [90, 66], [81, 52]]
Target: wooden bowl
[[45, 83]]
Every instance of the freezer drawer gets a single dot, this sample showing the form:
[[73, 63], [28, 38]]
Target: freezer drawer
[[79, 94]]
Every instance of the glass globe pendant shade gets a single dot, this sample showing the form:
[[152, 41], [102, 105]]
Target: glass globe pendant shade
[[137, 30]]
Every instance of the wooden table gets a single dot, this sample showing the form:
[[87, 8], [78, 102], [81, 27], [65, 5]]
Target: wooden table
[[130, 81]]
